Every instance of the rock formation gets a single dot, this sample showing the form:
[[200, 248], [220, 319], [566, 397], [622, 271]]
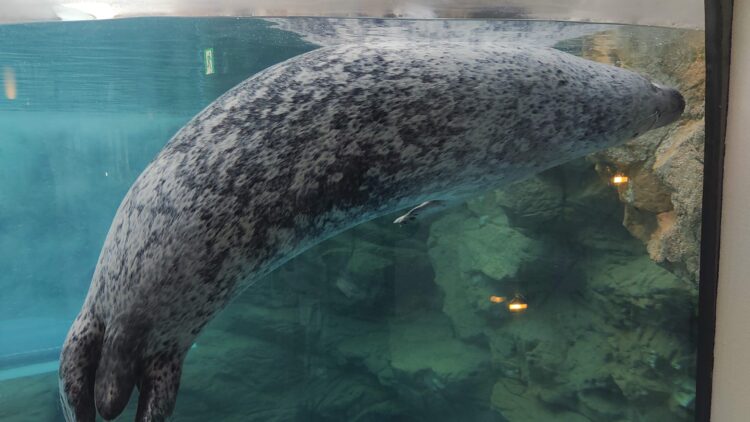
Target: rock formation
[[665, 167]]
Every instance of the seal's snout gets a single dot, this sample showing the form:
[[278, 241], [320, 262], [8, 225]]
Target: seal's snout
[[680, 100], [677, 101], [671, 106]]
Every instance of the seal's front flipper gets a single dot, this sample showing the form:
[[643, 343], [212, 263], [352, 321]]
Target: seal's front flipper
[[78, 362], [421, 210]]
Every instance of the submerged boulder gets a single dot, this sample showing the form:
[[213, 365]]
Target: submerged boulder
[[665, 166], [474, 258]]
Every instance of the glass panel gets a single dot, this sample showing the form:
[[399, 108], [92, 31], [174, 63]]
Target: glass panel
[[569, 296]]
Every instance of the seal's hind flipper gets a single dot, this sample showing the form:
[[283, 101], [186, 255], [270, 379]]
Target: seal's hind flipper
[[421, 210], [78, 362], [158, 388], [116, 374]]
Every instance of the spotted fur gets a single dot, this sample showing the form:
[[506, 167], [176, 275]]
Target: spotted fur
[[305, 150]]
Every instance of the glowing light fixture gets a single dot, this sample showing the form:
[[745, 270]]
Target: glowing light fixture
[[517, 304], [619, 179], [9, 81], [497, 299]]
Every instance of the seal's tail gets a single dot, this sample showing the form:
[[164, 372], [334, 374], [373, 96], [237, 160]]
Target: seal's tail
[[101, 364], [78, 362]]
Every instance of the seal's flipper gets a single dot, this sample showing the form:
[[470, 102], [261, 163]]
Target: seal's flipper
[[158, 388], [78, 362], [421, 210], [119, 364], [115, 377]]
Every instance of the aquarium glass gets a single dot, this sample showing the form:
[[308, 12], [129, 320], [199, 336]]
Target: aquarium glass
[[570, 296]]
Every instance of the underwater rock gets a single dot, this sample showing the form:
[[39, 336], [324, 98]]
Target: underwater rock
[[513, 401], [475, 258], [643, 295], [646, 193], [528, 204], [684, 395], [602, 334], [364, 264], [409, 349], [665, 166], [422, 361], [571, 358], [359, 280]]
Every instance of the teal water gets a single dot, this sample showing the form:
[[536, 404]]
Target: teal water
[[381, 323], [96, 101], [140, 66]]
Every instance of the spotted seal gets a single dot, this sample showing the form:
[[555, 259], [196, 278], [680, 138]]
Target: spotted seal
[[305, 150]]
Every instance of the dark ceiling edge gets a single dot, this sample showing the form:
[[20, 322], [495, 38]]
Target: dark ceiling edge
[[718, 44]]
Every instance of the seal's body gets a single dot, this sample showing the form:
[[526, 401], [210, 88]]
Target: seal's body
[[305, 150]]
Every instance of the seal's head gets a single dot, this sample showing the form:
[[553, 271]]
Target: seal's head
[[668, 105], [627, 107], [655, 106], [560, 107]]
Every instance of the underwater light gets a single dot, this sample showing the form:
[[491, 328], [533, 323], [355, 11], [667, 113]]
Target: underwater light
[[619, 179], [497, 299], [9, 78], [517, 304]]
